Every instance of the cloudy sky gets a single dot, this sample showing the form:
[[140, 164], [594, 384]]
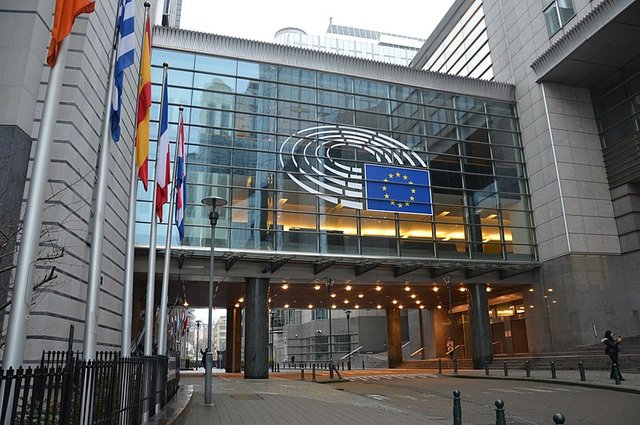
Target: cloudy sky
[[259, 20]]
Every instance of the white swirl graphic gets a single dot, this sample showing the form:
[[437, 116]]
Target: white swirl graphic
[[310, 152]]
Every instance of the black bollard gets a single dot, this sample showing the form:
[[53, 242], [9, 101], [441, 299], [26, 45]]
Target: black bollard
[[553, 370], [278, 367], [506, 369], [301, 373], [439, 366], [527, 367], [363, 365], [486, 368], [581, 369], [455, 366], [313, 373], [558, 419], [500, 420], [457, 410], [616, 373]]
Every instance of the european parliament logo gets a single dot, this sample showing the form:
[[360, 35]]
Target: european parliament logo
[[320, 161], [397, 189]]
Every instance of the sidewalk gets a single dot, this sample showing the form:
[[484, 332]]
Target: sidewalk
[[285, 399]]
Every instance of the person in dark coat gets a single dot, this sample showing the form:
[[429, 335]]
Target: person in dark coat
[[612, 349]]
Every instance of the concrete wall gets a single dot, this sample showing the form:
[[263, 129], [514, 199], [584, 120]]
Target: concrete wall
[[24, 37]]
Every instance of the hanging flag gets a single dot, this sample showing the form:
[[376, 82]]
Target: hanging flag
[[125, 53], [163, 173], [65, 15], [181, 179], [144, 106]]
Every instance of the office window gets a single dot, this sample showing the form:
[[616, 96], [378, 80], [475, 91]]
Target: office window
[[557, 14]]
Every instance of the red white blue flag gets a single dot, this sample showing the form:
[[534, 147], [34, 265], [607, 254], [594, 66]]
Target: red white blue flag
[[181, 180], [163, 172]]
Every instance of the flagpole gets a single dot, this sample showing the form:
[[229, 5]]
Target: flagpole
[[127, 289], [164, 295], [97, 237], [151, 271], [30, 238]]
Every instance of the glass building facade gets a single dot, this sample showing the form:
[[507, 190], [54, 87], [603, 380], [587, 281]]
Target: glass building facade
[[286, 147]]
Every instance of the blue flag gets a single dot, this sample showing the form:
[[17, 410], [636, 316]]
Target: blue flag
[[397, 189], [124, 59]]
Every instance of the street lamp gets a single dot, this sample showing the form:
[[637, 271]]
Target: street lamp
[[198, 342], [329, 282], [348, 313], [215, 202]]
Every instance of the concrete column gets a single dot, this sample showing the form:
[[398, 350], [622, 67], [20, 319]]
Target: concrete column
[[481, 336], [256, 329], [422, 353], [394, 337], [234, 340]]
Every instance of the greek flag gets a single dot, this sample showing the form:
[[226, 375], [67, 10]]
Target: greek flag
[[124, 58], [398, 189]]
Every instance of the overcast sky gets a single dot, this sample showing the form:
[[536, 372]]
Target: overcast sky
[[259, 20]]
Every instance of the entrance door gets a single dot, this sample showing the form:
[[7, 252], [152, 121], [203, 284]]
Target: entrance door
[[519, 334], [499, 340]]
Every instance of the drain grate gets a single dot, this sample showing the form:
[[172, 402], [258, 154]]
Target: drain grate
[[246, 397]]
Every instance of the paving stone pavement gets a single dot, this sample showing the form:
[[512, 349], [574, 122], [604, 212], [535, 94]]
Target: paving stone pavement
[[285, 399]]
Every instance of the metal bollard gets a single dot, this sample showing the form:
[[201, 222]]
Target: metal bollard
[[527, 367], [301, 373], [457, 410], [363, 365], [553, 370], [455, 366], [486, 368], [581, 369], [616, 373], [500, 420], [278, 367], [506, 368], [558, 419], [313, 373], [439, 366]]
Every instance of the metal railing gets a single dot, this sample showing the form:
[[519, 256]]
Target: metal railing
[[419, 350], [65, 389], [350, 354]]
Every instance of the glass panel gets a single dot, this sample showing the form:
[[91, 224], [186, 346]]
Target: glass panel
[[214, 82], [565, 7], [257, 70], [215, 64], [552, 20], [173, 58]]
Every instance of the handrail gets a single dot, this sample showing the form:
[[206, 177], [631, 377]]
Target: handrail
[[351, 353], [416, 352], [501, 348], [405, 344]]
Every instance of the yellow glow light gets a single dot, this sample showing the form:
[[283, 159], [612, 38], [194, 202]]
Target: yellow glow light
[[333, 295], [356, 306], [413, 295], [346, 301], [237, 305], [378, 306], [310, 306], [360, 295], [348, 287], [439, 307], [407, 288], [286, 306], [435, 289], [421, 307], [241, 300], [333, 306], [395, 301], [317, 287], [378, 288], [285, 286]]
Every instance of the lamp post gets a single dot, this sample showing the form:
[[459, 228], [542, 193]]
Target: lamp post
[[329, 282], [348, 313], [197, 342], [214, 202], [273, 351], [447, 281]]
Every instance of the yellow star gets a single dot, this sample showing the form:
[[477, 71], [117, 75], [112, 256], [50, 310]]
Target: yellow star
[[384, 187], [410, 182], [390, 175], [413, 191], [405, 177], [406, 203], [397, 174], [393, 202], [399, 205], [386, 196], [385, 180], [411, 198]]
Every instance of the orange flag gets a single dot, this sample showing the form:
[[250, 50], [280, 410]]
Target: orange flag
[[66, 13], [144, 106]]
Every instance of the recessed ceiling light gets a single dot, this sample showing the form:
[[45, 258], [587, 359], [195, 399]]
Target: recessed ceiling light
[[400, 306], [435, 289], [348, 287], [462, 289], [418, 302], [333, 306], [346, 301], [333, 295], [356, 306], [310, 306], [407, 288], [241, 300], [413, 295], [488, 289], [395, 301], [378, 306], [439, 307], [378, 288], [317, 287], [421, 307], [285, 286], [360, 295], [237, 305], [286, 306]]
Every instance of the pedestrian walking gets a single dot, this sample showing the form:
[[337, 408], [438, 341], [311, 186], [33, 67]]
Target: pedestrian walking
[[450, 348], [612, 349]]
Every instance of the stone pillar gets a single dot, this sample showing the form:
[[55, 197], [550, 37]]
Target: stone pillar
[[394, 337], [256, 329], [234, 340], [481, 336], [421, 325]]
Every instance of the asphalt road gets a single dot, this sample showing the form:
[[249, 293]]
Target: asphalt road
[[525, 403]]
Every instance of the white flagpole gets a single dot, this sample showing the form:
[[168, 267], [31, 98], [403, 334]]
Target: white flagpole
[[164, 295], [127, 289], [30, 238], [151, 271], [97, 236]]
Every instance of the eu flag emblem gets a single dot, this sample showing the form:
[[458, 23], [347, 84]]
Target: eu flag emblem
[[397, 189]]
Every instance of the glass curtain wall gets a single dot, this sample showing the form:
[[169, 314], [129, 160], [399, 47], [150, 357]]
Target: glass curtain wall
[[241, 118]]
